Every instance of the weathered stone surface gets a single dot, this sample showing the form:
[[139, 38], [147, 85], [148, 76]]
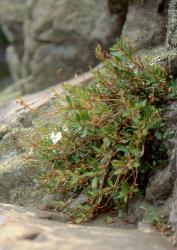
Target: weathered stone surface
[[163, 56], [173, 202], [173, 214], [12, 15], [120, 6], [162, 187], [22, 229], [13, 62], [56, 36], [12, 10], [12, 110], [171, 40], [47, 36], [146, 23], [16, 125], [161, 184], [81, 199], [64, 39]]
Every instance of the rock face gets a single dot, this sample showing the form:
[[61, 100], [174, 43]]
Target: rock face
[[56, 36], [162, 186], [23, 229], [171, 40], [52, 40], [63, 35], [172, 25], [146, 23], [16, 125], [11, 20]]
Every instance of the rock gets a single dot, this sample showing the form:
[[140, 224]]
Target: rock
[[16, 126], [120, 6], [48, 37], [52, 42], [64, 39], [173, 215], [166, 58], [15, 170], [161, 184], [81, 199], [12, 11], [12, 16], [145, 227], [24, 229], [52, 202], [13, 62], [14, 113], [145, 24], [171, 40], [162, 187]]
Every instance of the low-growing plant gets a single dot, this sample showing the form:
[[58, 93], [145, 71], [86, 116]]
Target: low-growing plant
[[108, 135]]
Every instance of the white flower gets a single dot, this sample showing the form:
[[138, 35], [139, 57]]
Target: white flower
[[55, 137], [64, 128], [30, 152]]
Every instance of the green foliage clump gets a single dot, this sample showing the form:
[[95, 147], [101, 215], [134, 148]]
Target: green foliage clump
[[108, 134]]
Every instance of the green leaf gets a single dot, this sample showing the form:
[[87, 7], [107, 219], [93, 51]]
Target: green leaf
[[78, 118], [158, 135], [89, 174], [135, 151], [85, 132], [107, 142], [117, 163], [96, 149], [118, 171], [121, 148], [69, 99], [110, 183], [79, 220], [108, 220], [95, 183]]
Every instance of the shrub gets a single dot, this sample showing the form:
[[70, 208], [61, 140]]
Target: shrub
[[108, 134]]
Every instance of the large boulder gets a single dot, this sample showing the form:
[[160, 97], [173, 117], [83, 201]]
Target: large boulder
[[52, 40], [162, 187], [12, 11], [25, 229], [62, 36], [12, 16], [145, 24]]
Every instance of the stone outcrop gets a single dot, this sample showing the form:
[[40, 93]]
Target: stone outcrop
[[64, 40], [53, 40], [146, 23], [171, 39], [16, 125], [23, 229], [12, 16], [162, 187]]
